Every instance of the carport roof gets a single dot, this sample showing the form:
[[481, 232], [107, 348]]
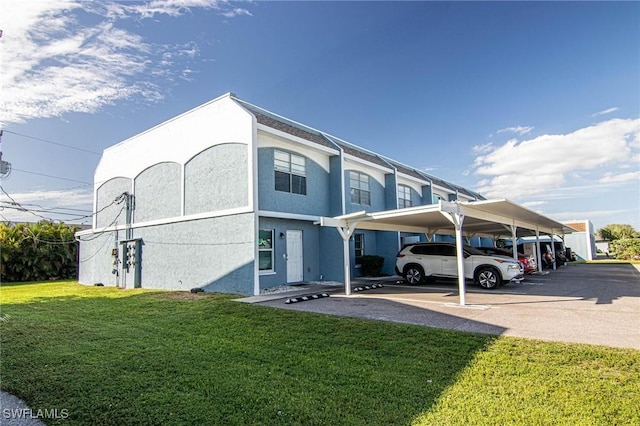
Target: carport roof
[[493, 218]]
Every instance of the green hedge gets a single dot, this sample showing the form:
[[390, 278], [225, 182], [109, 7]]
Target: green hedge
[[372, 265], [38, 251], [626, 248]]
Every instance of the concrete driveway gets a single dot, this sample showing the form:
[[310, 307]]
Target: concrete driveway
[[595, 304]]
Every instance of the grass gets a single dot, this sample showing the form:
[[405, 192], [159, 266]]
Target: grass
[[142, 357]]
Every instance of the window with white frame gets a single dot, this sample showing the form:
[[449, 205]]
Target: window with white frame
[[359, 188], [290, 172], [265, 250], [358, 243], [404, 196], [435, 198]]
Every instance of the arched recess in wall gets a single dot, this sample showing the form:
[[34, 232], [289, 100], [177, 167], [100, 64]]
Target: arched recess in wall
[[217, 179], [157, 192], [114, 214]]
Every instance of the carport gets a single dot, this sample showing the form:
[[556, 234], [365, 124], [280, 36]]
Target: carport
[[489, 218]]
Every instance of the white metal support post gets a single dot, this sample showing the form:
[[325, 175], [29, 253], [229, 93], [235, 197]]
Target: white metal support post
[[553, 250], [345, 233], [514, 241], [538, 254], [457, 219]]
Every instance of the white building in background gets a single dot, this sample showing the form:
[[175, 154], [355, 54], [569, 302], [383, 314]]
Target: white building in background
[[583, 241]]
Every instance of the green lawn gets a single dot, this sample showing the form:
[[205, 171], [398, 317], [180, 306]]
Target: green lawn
[[140, 357]]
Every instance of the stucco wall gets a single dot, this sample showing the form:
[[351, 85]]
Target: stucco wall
[[216, 179], [427, 195], [331, 255], [377, 196], [105, 195], [315, 202], [215, 254], [310, 250], [158, 192], [95, 260], [335, 185], [391, 191]]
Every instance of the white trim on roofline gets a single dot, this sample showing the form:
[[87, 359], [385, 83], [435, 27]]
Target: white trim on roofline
[[176, 219], [283, 215], [297, 139], [442, 188], [414, 179], [367, 163]]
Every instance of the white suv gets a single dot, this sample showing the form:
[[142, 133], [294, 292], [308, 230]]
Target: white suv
[[417, 262]]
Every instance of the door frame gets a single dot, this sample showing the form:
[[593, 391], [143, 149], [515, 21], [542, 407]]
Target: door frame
[[294, 233]]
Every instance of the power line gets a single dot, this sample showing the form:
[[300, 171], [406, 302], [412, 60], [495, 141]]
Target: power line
[[53, 143], [17, 206], [22, 208], [50, 208], [51, 176]]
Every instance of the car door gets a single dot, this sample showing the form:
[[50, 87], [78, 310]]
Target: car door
[[422, 254], [449, 261]]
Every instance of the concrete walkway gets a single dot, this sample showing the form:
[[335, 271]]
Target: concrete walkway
[[593, 304]]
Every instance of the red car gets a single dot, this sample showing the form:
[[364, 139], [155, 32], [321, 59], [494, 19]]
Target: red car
[[528, 262]]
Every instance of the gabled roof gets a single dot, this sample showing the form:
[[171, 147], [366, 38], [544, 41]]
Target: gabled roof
[[294, 128]]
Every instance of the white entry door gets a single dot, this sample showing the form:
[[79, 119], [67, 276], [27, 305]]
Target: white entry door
[[294, 257]]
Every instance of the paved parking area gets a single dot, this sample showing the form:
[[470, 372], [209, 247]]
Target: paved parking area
[[595, 304]]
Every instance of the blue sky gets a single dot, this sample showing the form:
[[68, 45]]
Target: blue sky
[[535, 102]]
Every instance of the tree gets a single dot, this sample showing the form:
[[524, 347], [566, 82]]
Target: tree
[[615, 231], [38, 251]]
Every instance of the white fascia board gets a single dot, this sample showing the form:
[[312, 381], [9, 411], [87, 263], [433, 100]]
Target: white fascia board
[[405, 212], [167, 221], [414, 179], [505, 220], [297, 139], [377, 226], [293, 216], [366, 163], [442, 188]]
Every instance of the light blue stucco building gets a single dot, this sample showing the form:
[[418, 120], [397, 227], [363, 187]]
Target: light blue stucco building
[[227, 197]]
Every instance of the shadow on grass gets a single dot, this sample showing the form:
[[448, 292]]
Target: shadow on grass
[[109, 357]]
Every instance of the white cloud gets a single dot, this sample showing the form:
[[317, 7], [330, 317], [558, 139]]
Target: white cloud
[[606, 111], [236, 12], [52, 63], [61, 205], [536, 166], [610, 177], [519, 130], [589, 214], [484, 148]]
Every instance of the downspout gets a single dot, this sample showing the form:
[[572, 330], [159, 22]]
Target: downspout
[[253, 184], [395, 194], [254, 189], [343, 207]]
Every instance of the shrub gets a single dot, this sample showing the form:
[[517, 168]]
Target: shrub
[[626, 248], [38, 251], [372, 265]]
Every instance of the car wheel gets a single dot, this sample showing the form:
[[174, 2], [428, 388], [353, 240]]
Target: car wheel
[[413, 274], [488, 278]]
